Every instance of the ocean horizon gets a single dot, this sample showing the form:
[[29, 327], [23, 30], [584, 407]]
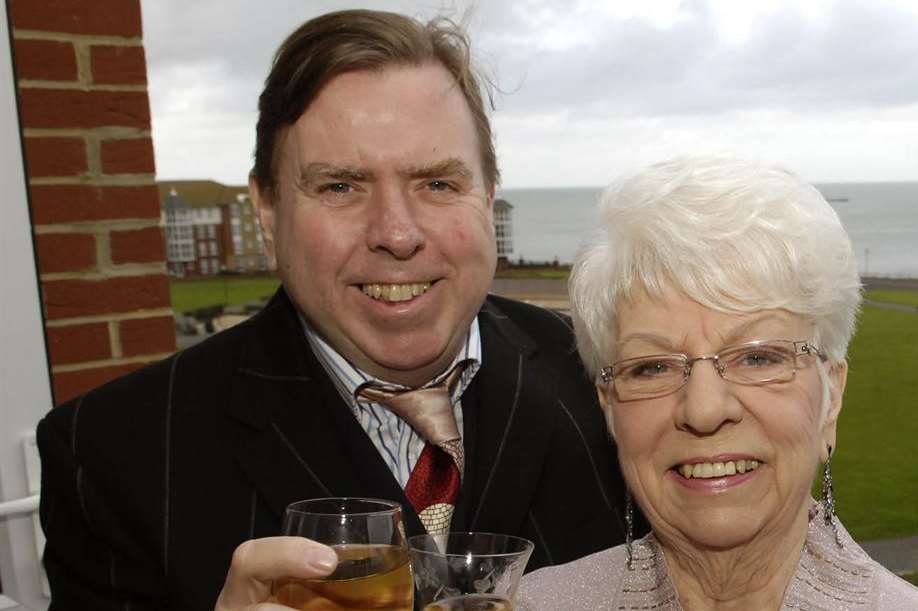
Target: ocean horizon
[[881, 217]]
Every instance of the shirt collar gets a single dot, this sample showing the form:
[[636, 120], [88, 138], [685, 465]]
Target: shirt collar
[[347, 377]]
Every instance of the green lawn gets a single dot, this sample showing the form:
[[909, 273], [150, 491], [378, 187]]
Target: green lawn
[[892, 296], [190, 295], [876, 480], [534, 272]]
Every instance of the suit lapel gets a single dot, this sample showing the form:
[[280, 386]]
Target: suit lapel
[[294, 437], [298, 438], [508, 426]]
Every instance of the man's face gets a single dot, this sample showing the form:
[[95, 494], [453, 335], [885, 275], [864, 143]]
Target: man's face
[[382, 224]]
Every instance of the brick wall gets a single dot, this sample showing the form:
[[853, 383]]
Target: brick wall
[[95, 207]]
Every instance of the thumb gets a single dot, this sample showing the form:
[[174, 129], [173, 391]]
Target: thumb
[[258, 562]]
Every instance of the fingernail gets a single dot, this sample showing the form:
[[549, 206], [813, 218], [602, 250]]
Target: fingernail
[[325, 559]]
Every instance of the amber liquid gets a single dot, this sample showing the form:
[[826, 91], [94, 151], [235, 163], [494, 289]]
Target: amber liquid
[[471, 602], [367, 577]]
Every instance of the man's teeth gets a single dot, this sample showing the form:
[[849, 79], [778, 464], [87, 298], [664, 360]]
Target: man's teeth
[[395, 292], [707, 470]]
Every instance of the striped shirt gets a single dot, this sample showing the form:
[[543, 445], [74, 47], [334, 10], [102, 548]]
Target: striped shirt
[[399, 445]]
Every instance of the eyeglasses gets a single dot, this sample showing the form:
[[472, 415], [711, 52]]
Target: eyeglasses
[[751, 363]]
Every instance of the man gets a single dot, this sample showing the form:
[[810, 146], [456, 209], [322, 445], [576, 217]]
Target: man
[[374, 178]]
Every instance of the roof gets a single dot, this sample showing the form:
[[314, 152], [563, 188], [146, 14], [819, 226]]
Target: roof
[[200, 193], [173, 202], [502, 204]]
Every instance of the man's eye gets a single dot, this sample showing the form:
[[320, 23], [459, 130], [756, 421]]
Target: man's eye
[[439, 185], [336, 187]]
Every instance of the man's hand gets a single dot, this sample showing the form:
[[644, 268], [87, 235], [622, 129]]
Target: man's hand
[[258, 562]]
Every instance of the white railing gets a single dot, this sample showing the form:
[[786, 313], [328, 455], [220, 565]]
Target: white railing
[[27, 505]]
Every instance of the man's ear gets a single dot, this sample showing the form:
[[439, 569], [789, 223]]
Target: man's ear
[[264, 207], [838, 376], [603, 394]]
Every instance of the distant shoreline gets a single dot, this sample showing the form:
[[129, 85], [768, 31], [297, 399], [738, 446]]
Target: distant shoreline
[[552, 292], [871, 283]]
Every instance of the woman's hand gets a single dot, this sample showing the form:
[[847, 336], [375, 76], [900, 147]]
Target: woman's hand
[[258, 562]]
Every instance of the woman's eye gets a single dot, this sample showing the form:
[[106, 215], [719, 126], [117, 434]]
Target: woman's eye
[[651, 368], [761, 359]]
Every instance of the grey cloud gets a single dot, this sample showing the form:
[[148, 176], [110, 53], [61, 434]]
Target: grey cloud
[[861, 55], [866, 54]]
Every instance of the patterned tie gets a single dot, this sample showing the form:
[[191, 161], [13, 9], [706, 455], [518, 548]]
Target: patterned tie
[[434, 482]]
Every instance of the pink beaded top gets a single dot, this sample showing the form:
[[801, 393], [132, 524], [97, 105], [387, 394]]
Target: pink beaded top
[[827, 577]]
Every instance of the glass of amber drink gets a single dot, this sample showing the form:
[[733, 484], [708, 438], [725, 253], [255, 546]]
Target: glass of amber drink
[[467, 570], [373, 571]]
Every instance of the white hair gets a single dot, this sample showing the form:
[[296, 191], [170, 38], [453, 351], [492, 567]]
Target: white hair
[[733, 235]]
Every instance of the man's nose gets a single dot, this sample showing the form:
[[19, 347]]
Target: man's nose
[[393, 225], [707, 401]]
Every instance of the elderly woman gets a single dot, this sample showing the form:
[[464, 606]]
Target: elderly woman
[[715, 309]]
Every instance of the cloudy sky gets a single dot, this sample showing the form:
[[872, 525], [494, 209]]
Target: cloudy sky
[[589, 88]]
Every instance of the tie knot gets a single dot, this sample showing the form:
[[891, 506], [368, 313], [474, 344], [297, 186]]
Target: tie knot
[[428, 410]]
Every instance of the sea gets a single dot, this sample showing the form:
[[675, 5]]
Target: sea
[[881, 218]]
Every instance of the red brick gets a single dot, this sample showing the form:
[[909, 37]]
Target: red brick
[[105, 17], [138, 246], [147, 336], [71, 298], [71, 108], [133, 156], [55, 156], [65, 252], [119, 65], [74, 203], [70, 384], [79, 343], [45, 60]]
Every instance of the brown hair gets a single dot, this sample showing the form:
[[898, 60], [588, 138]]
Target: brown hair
[[346, 41]]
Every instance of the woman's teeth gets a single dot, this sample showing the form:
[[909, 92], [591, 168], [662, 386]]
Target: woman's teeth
[[395, 292], [705, 470]]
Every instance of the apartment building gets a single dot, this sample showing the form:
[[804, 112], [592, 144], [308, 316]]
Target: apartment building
[[503, 230], [213, 229], [241, 237]]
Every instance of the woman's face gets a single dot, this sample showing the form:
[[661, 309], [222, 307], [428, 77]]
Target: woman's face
[[711, 420]]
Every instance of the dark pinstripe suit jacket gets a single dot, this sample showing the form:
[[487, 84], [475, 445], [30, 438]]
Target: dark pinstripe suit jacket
[[151, 481]]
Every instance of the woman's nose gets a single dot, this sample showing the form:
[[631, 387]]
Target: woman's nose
[[708, 402]]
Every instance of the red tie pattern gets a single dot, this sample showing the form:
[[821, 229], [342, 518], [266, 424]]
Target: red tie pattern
[[436, 478]]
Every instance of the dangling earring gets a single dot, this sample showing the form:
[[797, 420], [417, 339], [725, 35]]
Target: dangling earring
[[629, 527], [828, 497]]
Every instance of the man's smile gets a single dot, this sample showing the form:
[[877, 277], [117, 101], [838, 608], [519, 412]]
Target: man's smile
[[395, 292]]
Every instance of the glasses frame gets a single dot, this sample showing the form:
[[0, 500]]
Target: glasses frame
[[801, 348]]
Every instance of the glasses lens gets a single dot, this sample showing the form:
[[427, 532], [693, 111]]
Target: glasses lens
[[760, 362], [649, 376]]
